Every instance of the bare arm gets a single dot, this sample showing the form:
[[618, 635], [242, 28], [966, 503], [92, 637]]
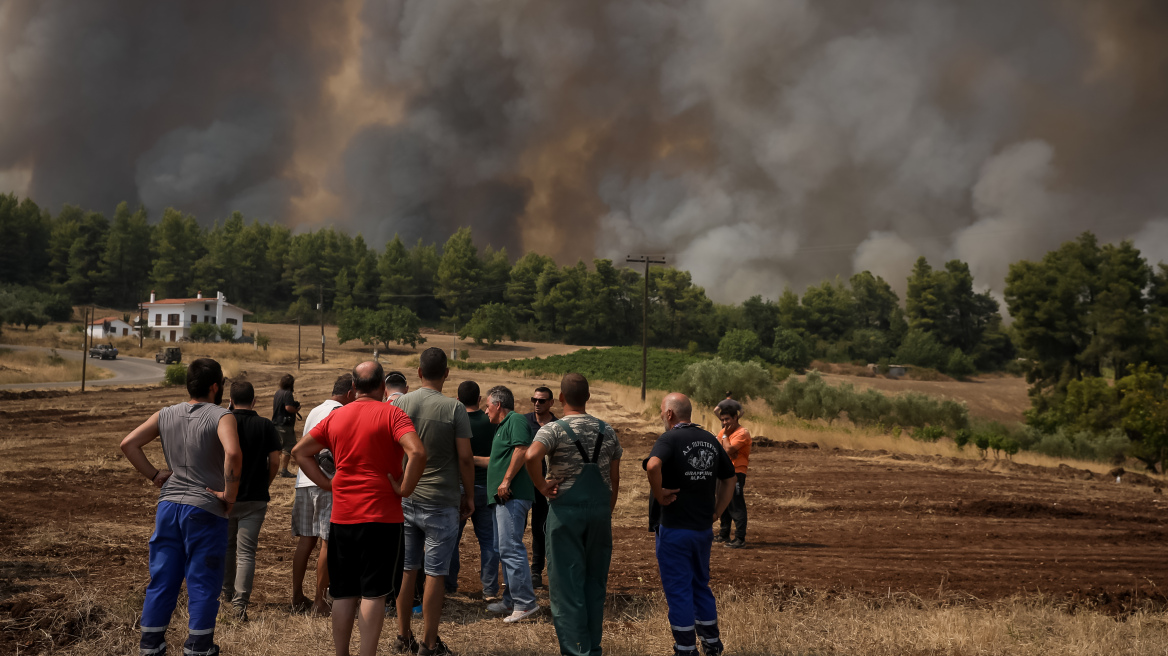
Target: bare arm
[[724, 495], [518, 460], [132, 447], [415, 464], [534, 455], [232, 460], [732, 450], [614, 476], [482, 462], [662, 495], [273, 465], [466, 470], [303, 452]]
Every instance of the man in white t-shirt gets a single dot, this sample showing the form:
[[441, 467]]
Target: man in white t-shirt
[[312, 508]]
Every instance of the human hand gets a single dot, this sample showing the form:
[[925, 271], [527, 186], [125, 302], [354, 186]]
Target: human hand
[[504, 490], [466, 506], [222, 496], [665, 496], [161, 477], [395, 483], [551, 487]]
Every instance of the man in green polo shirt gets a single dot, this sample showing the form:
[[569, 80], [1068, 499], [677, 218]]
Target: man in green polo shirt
[[510, 489]]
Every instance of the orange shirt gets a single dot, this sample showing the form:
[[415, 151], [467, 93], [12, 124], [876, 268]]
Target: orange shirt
[[741, 439]]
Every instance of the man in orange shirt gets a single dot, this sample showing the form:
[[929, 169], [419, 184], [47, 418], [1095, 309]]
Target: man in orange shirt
[[736, 441]]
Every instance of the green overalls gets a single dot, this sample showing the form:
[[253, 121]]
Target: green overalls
[[579, 548]]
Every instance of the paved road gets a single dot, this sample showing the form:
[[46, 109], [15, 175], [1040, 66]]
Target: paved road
[[127, 371]]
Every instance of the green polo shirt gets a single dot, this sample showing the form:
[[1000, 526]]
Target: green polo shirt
[[512, 432], [482, 435]]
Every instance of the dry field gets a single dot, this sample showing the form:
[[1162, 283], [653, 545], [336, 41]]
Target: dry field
[[18, 367], [865, 545]]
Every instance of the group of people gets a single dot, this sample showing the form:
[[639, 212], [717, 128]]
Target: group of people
[[387, 480]]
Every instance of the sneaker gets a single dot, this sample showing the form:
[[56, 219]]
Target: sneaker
[[406, 645], [520, 615], [418, 610], [736, 543], [498, 607], [439, 649], [721, 538], [287, 474]]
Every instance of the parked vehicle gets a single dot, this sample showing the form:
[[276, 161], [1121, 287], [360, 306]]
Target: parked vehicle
[[169, 355], [104, 351]]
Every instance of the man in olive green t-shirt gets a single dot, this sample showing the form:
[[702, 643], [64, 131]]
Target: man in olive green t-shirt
[[509, 487]]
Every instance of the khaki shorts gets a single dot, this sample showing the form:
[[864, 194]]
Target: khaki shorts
[[287, 438]]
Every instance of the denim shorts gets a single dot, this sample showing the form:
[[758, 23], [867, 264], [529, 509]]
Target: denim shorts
[[431, 535]]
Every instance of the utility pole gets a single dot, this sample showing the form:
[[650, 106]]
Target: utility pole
[[141, 324], [84, 344], [320, 306], [646, 260], [297, 341]]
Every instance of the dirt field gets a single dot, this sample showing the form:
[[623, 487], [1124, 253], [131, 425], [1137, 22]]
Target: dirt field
[[75, 518]]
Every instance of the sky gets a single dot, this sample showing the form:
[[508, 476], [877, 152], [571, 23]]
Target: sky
[[759, 144]]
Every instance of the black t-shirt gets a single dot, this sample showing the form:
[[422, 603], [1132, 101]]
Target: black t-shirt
[[280, 414], [692, 462], [257, 438]]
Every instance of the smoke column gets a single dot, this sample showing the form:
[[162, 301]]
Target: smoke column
[[758, 143]]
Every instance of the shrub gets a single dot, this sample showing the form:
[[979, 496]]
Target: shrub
[[176, 374], [706, 382], [263, 341], [791, 351], [202, 332], [982, 442], [959, 365], [962, 437], [739, 345], [922, 349], [226, 333], [928, 433], [491, 323]]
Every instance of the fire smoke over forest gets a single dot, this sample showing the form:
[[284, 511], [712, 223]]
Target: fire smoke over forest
[[761, 143]]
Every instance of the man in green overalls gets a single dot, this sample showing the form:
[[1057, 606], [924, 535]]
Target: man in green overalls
[[583, 479]]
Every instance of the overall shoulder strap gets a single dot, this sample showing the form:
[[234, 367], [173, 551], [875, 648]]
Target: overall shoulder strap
[[603, 428], [563, 423]]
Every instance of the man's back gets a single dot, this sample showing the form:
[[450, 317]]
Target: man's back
[[363, 437], [439, 420], [189, 433], [692, 463], [565, 461], [257, 438]]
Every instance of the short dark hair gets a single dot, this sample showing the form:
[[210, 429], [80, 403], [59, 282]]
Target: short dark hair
[[342, 385], [395, 380], [574, 387], [501, 395], [541, 388], [201, 375], [432, 363], [370, 384], [468, 392], [287, 381], [242, 393]]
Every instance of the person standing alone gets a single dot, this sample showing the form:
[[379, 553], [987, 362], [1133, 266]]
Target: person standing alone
[[541, 401], [284, 410], [260, 445], [201, 448], [735, 440]]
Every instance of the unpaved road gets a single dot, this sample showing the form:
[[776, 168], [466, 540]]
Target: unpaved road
[[127, 370]]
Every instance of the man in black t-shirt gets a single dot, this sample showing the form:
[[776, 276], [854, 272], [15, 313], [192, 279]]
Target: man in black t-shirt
[[260, 445], [285, 409], [692, 480]]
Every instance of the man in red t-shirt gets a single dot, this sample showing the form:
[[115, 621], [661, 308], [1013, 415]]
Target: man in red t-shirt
[[368, 439]]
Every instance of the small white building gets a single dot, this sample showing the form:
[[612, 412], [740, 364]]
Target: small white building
[[109, 327], [170, 319]]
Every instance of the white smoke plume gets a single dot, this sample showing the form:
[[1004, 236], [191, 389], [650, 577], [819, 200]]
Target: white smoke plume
[[757, 143]]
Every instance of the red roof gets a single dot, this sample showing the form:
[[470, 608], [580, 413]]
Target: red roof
[[180, 301], [101, 321]]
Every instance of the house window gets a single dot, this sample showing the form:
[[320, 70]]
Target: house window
[[125, 331], [212, 319], [231, 321], [206, 307], [172, 319], [157, 334], [158, 320], [194, 318]]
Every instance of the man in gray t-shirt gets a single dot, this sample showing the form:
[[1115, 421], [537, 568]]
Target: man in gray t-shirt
[[200, 442], [439, 503]]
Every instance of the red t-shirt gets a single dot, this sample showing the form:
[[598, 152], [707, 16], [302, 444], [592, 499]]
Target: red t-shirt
[[363, 437]]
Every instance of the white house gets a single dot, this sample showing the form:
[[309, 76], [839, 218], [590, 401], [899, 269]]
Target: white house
[[170, 319], [108, 327]]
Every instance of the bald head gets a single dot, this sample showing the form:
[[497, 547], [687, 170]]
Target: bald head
[[369, 379], [675, 408]]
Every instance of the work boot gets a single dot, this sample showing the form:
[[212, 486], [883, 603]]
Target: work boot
[[439, 649], [406, 645]]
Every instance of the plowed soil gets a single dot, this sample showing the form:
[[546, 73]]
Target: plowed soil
[[74, 513]]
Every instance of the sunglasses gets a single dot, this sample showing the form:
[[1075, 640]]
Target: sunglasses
[[536, 400]]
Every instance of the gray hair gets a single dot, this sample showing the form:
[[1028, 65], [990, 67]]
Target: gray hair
[[501, 395]]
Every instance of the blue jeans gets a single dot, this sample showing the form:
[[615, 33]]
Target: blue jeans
[[683, 558], [483, 520], [431, 533], [188, 543], [510, 524]]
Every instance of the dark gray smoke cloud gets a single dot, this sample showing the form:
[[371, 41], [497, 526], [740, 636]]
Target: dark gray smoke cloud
[[759, 143]]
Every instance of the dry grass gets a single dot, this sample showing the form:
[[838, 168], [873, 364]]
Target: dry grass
[[18, 367]]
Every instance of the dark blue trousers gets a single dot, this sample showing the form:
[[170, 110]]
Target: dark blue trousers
[[683, 557], [188, 543]]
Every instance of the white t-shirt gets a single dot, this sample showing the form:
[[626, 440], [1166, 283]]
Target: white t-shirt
[[318, 413]]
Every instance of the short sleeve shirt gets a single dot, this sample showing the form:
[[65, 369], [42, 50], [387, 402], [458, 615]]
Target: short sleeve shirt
[[365, 437], [741, 439], [190, 443], [482, 434], [564, 459], [319, 412], [513, 431], [692, 463], [440, 420], [280, 414], [257, 439]]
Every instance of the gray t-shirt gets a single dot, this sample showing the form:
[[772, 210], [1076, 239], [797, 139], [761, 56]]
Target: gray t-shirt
[[564, 461], [439, 421], [190, 444]]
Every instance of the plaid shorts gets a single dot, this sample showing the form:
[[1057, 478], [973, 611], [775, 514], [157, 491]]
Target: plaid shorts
[[311, 510]]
